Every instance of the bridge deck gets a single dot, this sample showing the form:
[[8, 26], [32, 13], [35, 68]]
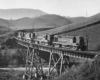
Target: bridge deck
[[71, 53]]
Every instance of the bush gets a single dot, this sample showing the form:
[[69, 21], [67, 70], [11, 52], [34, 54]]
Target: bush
[[75, 73], [4, 59], [10, 57], [87, 71]]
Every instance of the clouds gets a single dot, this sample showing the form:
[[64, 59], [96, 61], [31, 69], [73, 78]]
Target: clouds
[[62, 7]]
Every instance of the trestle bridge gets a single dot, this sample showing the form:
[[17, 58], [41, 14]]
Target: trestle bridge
[[57, 59]]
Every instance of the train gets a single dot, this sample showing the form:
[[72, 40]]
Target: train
[[60, 41]]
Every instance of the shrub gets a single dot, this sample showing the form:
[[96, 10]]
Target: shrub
[[87, 71], [10, 57]]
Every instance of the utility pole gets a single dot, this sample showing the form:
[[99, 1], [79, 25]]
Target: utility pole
[[86, 34], [86, 13]]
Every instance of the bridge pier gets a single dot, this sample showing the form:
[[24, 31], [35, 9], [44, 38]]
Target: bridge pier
[[33, 66], [58, 63]]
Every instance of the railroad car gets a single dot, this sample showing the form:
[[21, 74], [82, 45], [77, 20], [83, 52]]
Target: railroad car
[[40, 39], [19, 35], [69, 42]]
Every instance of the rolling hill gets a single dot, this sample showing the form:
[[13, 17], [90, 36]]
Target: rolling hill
[[76, 19], [4, 30], [89, 27], [5, 23], [19, 13], [5, 14], [5, 26], [43, 21]]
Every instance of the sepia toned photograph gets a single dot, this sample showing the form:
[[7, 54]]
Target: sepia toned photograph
[[49, 39]]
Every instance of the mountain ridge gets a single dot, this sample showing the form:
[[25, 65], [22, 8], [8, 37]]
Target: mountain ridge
[[20, 13], [43, 21]]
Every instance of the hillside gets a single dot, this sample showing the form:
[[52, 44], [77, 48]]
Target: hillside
[[76, 19], [44, 21], [5, 30], [5, 26], [89, 27], [19, 13], [5, 23]]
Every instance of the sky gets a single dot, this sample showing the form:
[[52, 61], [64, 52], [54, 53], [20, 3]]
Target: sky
[[69, 8]]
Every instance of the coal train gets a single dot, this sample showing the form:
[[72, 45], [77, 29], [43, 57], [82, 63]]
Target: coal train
[[68, 42]]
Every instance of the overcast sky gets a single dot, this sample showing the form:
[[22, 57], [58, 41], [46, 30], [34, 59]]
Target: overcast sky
[[72, 8]]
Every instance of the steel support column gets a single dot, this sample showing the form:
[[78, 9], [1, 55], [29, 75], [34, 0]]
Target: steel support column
[[56, 64]]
